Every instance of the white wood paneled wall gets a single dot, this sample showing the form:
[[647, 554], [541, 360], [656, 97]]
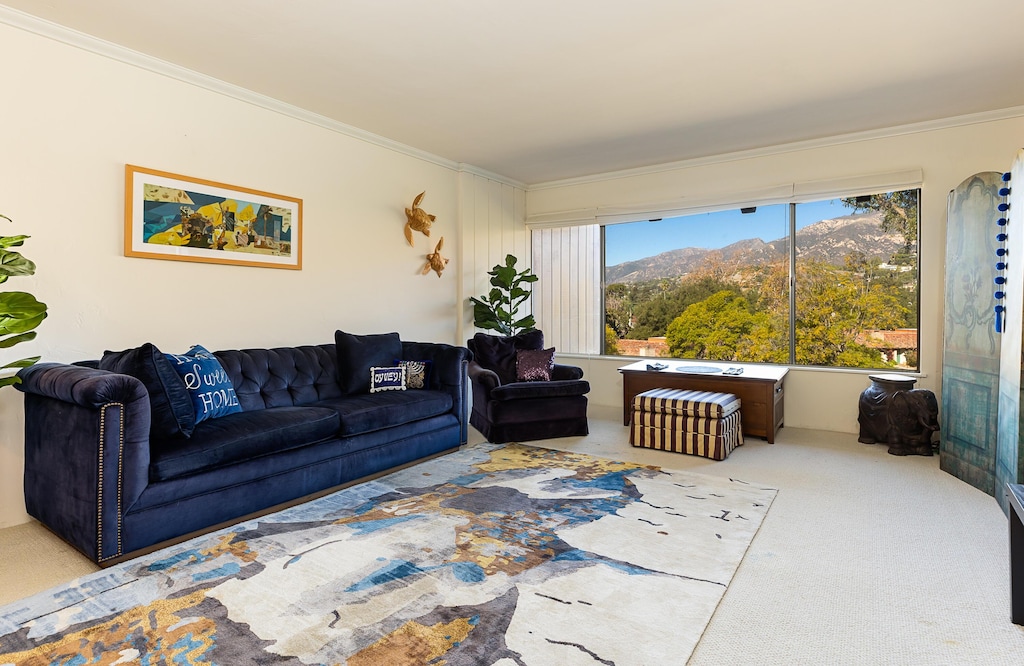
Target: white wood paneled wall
[[493, 218], [567, 297]]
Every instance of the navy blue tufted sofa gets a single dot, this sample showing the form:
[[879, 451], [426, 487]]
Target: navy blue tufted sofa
[[96, 477]]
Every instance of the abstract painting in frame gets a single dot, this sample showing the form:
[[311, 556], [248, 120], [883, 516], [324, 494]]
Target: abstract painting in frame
[[170, 216]]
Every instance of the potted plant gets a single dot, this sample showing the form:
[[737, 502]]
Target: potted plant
[[20, 312], [497, 309]]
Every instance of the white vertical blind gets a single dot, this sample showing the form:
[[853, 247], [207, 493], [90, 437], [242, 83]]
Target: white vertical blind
[[567, 295]]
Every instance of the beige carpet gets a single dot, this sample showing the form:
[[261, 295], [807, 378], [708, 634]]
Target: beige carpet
[[865, 558]]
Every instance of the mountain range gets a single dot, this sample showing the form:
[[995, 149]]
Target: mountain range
[[831, 240]]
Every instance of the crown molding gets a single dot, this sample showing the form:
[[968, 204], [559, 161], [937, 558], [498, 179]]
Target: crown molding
[[70, 37], [490, 175], [830, 188], [839, 139]]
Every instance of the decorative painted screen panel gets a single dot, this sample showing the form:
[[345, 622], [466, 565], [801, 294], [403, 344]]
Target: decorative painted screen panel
[[971, 346]]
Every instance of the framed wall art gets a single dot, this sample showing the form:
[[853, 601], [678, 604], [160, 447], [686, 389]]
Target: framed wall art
[[170, 216]]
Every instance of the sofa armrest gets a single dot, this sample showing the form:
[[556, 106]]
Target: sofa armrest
[[86, 452], [562, 372], [448, 373]]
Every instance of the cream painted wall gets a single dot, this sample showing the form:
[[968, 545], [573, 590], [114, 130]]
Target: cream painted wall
[[71, 121], [815, 398]]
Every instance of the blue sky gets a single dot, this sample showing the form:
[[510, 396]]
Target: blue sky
[[627, 242]]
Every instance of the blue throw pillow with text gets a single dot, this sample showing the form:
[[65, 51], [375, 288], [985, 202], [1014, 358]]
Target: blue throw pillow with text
[[207, 383]]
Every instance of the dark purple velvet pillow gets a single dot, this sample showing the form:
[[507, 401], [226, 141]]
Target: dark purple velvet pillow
[[535, 365]]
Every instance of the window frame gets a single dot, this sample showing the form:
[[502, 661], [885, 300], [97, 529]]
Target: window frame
[[551, 264], [792, 259]]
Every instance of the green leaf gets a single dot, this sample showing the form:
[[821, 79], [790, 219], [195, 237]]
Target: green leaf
[[12, 241], [7, 381], [10, 342], [13, 263], [22, 363], [11, 325], [20, 302], [484, 317], [527, 323]]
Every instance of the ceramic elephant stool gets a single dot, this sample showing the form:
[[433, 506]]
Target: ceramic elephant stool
[[913, 417]]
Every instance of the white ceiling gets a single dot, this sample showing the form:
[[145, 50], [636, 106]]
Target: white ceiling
[[541, 90]]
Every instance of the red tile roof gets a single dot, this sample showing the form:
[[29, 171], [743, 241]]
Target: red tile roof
[[901, 338], [648, 347]]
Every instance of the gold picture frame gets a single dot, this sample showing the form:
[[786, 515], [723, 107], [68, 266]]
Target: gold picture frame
[[171, 216]]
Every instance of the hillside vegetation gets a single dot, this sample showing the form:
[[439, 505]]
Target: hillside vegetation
[[854, 274]]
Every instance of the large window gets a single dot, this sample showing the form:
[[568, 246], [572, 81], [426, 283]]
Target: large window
[[717, 286]]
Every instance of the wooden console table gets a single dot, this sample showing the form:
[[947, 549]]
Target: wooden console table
[[759, 388]]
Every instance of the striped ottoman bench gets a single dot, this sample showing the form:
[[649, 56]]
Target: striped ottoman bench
[[699, 423]]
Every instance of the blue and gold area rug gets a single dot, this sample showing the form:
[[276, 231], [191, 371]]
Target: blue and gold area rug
[[507, 555]]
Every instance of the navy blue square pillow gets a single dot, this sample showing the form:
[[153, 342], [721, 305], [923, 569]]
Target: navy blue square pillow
[[358, 353], [208, 385], [169, 403]]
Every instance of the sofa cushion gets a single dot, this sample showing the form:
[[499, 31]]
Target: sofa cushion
[[169, 403], [208, 386], [241, 436], [375, 411], [283, 376], [498, 353], [358, 353]]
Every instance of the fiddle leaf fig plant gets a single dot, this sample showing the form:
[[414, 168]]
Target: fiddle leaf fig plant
[[497, 309], [20, 312]]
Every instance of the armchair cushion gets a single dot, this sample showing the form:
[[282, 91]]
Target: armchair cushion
[[498, 353], [559, 389], [358, 353]]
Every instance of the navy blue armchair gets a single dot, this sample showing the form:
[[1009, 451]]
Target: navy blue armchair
[[506, 409]]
